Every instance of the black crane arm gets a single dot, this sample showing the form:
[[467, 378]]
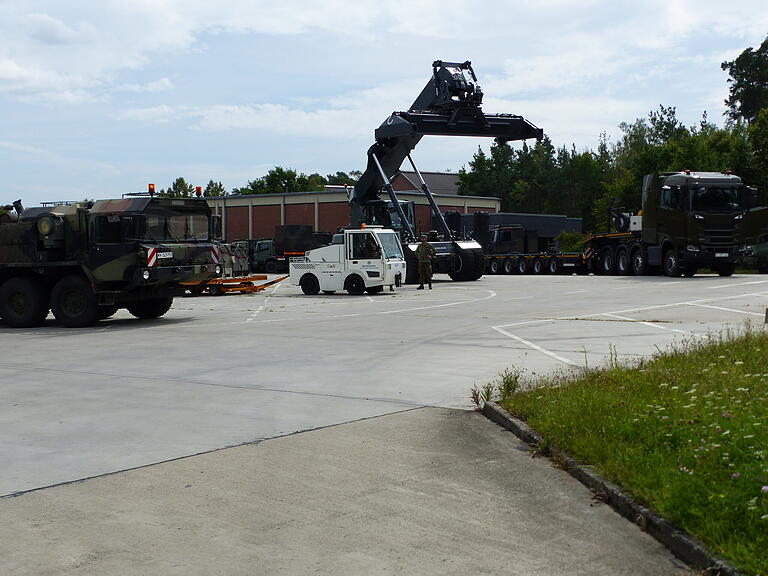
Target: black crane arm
[[449, 105]]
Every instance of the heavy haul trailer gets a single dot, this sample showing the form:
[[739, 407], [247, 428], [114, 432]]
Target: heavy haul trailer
[[449, 105], [85, 260], [689, 220]]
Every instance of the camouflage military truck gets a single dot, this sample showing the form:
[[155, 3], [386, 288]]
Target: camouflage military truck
[[84, 261]]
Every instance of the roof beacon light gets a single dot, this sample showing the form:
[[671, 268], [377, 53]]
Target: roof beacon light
[[198, 191], [151, 189]]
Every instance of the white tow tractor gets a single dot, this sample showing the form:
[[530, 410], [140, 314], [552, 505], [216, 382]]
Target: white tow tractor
[[361, 260]]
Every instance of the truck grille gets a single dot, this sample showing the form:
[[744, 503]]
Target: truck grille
[[719, 237]]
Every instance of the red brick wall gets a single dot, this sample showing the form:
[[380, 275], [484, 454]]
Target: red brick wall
[[265, 218], [333, 215], [237, 223], [300, 214]]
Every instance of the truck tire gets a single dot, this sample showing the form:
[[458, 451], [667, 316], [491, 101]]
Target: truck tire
[[354, 285], [509, 266], [73, 302], [607, 262], [270, 267], [538, 266], [638, 261], [150, 308], [522, 266], [670, 263], [622, 262], [309, 284], [726, 269], [412, 266], [553, 266], [471, 265], [493, 266], [23, 302]]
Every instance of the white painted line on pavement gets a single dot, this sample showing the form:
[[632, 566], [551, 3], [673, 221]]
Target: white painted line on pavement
[[727, 309], [653, 325], [739, 284], [537, 347]]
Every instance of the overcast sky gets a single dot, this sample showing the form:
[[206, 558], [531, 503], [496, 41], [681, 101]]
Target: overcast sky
[[101, 97]]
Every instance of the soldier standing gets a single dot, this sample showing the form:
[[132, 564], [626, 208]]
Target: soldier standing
[[425, 252]]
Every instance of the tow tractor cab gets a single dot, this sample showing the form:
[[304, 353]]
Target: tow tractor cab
[[360, 260]]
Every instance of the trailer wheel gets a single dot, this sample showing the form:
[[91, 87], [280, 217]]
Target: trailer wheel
[[309, 284], [215, 290], [522, 266], [354, 285], [726, 269], [622, 262], [493, 266], [151, 308], [607, 262], [639, 262], [509, 266], [73, 303], [23, 302], [538, 266], [553, 266], [671, 263]]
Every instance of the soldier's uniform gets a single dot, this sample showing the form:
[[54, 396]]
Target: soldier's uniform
[[425, 252]]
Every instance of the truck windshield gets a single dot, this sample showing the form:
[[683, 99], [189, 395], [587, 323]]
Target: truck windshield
[[716, 199], [391, 245], [168, 226]]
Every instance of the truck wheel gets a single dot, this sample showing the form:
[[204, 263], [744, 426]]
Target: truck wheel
[[375, 289], [471, 265], [151, 308], [553, 266], [493, 266], [522, 266], [537, 267], [411, 266], [671, 263], [354, 285], [270, 267], [309, 284], [726, 269], [622, 262], [215, 290], [639, 262], [607, 262], [73, 303], [107, 311], [23, 302]]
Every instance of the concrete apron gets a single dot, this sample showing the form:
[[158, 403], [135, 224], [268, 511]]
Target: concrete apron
[[426, 491]]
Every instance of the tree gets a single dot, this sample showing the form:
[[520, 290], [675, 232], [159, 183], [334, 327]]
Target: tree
[[214, 189], [342, 179], [748, 93], [179, 189]]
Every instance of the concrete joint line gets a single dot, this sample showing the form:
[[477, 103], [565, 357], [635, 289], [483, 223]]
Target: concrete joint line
[[681, 544]]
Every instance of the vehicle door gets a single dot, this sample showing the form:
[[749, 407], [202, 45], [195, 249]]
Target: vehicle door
[[671, 216], [114, 247]]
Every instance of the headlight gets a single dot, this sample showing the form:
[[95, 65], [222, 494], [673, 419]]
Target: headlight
[[218, 269], [145, 274]]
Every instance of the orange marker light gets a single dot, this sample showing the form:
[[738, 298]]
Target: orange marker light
[[199, 191], [151, 189]]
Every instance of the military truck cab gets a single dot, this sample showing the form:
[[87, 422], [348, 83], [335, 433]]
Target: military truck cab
[[358, 261], [84, 261]]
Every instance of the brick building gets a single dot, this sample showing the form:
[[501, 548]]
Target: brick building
[[256, 215]]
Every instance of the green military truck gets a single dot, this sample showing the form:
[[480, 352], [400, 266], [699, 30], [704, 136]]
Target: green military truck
[[84, 261]]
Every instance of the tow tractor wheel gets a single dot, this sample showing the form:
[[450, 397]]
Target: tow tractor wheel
[[537, 267], [309, 284], [354, 285], [151, 308], [522, 266], [23, 302], [622, 262], [671, 263], [73, 303]]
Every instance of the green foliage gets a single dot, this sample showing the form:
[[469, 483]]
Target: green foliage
[[214, 189], [570, 241], [179, 189], [683, 432], [749, 83]]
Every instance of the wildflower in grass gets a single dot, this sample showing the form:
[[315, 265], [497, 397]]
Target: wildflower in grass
[[738, 363], [764, 489], [735, 475]]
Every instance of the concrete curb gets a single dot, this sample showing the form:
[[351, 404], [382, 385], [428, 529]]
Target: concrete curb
[[682, 545]]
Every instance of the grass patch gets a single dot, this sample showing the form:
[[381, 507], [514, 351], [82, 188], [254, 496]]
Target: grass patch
[[685, 432]]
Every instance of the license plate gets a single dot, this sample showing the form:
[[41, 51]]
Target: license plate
[[721, 254]]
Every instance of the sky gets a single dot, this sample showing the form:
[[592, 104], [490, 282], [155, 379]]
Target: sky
[[101, 97]]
